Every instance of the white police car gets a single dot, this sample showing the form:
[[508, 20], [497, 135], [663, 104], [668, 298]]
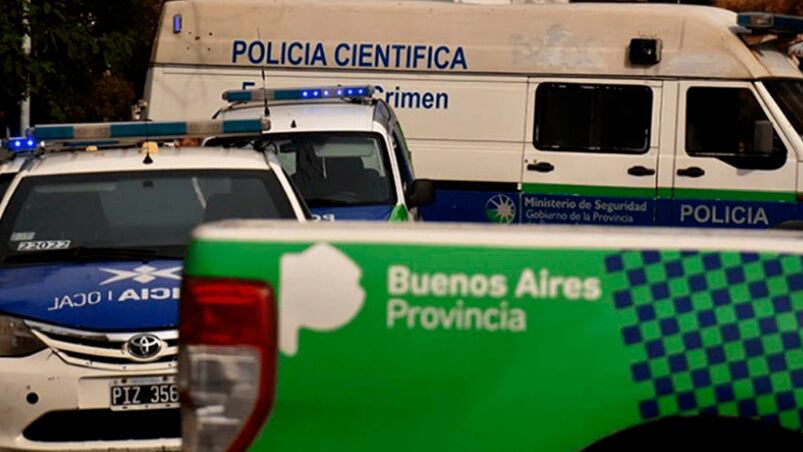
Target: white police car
[[91, 249], [344, 149]]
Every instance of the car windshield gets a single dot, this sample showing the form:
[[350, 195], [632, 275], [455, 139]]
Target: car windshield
[[333, 169], [789, 96], [134, 214]]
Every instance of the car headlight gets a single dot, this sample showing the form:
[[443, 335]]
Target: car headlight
[[16, 339]]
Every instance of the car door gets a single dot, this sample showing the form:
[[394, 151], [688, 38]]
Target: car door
[[592, 155], [723, 177]]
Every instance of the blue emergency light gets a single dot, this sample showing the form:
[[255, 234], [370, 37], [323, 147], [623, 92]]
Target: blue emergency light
[[285, 94], [21, 144], [771, 23], [155, 130]]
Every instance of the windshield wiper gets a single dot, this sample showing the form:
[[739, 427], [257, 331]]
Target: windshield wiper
[[85, 254]]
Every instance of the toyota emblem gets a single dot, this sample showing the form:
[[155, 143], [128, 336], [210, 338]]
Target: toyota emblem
[[144, 347]]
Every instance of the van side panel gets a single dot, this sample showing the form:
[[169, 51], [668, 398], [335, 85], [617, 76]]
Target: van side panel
[[591, 151], [574, 39], [460, 87]]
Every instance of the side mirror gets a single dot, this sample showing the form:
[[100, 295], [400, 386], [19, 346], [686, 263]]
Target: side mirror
[[421, 192], [763, 135]]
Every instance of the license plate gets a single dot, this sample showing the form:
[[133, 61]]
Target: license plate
[[143, 393]]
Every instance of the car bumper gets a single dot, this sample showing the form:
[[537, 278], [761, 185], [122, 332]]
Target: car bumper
[[48, 404]]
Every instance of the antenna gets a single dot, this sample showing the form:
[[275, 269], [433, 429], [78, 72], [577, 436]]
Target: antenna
[[264, 80]]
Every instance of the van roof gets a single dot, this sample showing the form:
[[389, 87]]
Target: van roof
[[558, 39]]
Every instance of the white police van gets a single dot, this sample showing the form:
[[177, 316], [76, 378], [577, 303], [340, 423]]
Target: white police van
[[93, 230], [344, 150], [579, 113]]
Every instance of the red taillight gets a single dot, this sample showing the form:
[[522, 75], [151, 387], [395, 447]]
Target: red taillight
[[227, 373]]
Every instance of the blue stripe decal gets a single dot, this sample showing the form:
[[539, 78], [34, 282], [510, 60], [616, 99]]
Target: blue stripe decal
[[601, 210], [731, 214], [369, 213], [127, 130], [44, 133], [237, 96], [287, 94], [512, 207], [98, 296], [471, 206], [167, 128], [148, 129], [242, 126], [145, 129]]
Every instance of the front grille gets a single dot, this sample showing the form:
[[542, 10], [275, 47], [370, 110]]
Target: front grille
[[104, 350], [105, 425], [101, 350]]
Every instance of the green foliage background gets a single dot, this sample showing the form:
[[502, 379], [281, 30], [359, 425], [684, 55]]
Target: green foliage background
[[88, 61]]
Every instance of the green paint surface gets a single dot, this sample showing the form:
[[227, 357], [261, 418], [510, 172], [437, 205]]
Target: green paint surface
[[399, 213], [661, 192], [585, 365], [589, 190]]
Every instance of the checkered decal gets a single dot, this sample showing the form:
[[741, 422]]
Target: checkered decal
[[716, 333]]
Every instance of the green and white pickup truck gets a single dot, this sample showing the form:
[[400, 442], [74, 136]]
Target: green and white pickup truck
[[360, 337]]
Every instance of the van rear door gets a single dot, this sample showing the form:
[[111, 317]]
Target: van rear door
[[592, 154]]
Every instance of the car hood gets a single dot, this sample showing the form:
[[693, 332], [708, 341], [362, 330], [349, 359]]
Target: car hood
[[97, 296]]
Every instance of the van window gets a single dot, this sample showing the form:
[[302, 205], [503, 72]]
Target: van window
[[789, 96], [593, 118], [722, 123]]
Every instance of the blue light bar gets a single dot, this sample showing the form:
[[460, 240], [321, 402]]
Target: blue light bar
[[295, 94], [771, 23], [21, 144], [149, 130]]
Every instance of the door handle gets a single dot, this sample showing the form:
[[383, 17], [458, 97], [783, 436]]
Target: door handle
[[542, 167], [640, 171], [692, 171]]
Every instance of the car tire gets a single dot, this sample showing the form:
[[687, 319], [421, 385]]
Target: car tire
[[692, 433]]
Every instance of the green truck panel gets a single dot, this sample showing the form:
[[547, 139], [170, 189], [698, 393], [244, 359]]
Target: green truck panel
[[422, 347]]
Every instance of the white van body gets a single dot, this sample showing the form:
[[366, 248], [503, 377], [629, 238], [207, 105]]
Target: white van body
[[609, 142]]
